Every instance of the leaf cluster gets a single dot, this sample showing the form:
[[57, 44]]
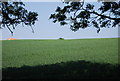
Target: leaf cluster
[[80, 15], [14, 13]]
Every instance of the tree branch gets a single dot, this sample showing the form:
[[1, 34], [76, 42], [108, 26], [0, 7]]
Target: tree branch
[[10, 30], [104, 16]]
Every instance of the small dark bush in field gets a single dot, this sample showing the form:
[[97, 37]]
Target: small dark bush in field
[[61, 38]]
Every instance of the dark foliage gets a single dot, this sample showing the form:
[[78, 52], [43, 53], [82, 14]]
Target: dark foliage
[[81, 15], [61, 38], [63, 71], [14, 13]]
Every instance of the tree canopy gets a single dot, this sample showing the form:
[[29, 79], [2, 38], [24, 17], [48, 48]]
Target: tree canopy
[[79, 14], [14, 13]]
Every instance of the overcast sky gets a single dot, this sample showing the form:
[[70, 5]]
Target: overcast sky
[[46, 29]]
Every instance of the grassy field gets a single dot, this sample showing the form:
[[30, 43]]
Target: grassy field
[[54, 55]]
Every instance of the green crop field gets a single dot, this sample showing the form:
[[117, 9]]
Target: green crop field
[[57, 56]]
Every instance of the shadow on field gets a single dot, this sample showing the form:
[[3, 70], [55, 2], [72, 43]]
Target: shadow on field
[[63, 71]]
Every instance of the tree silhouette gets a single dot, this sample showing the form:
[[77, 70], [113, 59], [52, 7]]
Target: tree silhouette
[[76, 13], [79, 14], [14, 13]]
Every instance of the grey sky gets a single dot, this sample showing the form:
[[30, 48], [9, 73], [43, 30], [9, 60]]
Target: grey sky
[[46, 29]]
